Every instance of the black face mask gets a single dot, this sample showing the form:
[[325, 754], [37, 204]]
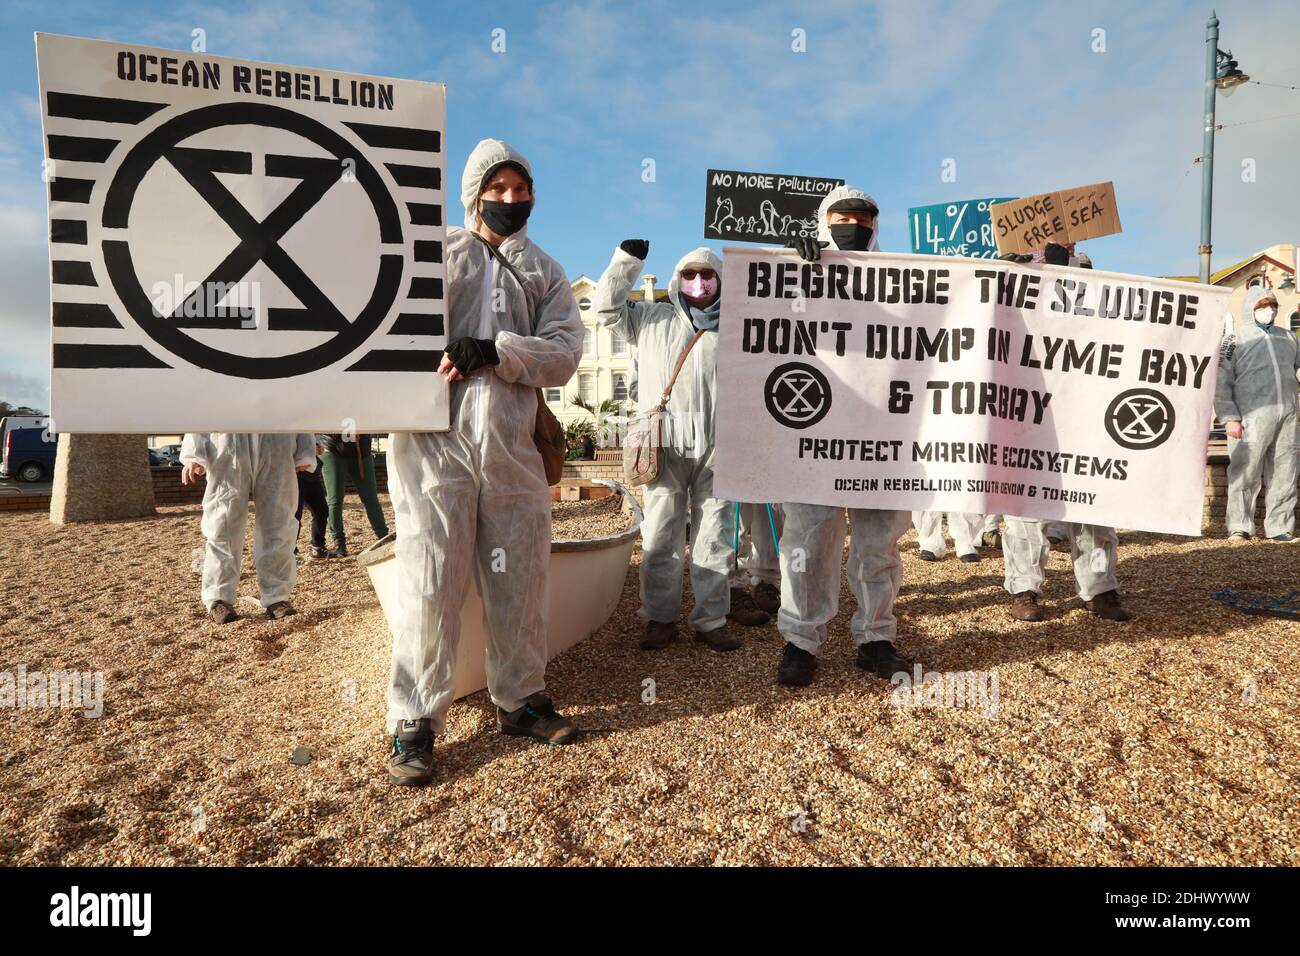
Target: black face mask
[[851, 236], [505, 218]]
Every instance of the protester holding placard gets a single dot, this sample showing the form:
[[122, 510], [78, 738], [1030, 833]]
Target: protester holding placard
[[812, 542], [678, 337], [1094, 549], [475, 498], [240, 467], [964, 528], [1255, 397]]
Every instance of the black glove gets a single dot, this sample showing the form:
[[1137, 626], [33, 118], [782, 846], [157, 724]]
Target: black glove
[[1056, 254], [636, 248], [808, 248], [1020, 257], [469, 355]]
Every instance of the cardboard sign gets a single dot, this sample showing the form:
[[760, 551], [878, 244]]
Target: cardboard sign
[[962, 228], [239, 246], [921, 383], [762, 207], [1070, 215]]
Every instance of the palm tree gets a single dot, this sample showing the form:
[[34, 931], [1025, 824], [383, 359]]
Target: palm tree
[[607, 409]]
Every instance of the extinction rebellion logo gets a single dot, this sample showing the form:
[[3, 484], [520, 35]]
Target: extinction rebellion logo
[[797, 395], [1140, 418]]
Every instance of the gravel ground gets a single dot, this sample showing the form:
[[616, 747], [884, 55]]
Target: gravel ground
[[1172, 739]]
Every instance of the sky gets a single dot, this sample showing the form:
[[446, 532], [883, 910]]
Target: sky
[[1015, 97]]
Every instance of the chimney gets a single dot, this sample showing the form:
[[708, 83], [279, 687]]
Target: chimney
[[648, 287]]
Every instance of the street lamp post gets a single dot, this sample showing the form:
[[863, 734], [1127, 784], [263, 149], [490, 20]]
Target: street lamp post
[[1221, 73]]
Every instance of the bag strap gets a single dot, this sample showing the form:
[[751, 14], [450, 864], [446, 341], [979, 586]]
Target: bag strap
[[678, 370], [496, 254]]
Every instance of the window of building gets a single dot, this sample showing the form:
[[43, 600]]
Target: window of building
[[620, 388], [587, 388], [554, 395], [618, 343], [584, 303], [589, 342]]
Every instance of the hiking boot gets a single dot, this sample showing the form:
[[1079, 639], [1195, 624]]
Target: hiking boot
[[1238, 537], [971, 558], [992, 539], [1106, 605], [882, 659], [927, 556], [719, 639], [280, 610], [221, 612], [658, 635], [412, 761], [537, 719], [744, 611], [767, 597], [796, 667], [1025, 606]]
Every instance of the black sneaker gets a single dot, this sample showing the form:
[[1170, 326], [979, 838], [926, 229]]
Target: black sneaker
[[928, 556], [539, 720], [340, 549], [412, 761], [971, 558], [1284, 537], [796, 667], [882, 659]]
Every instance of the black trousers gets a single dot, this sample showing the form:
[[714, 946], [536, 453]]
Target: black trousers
[[311, 492]]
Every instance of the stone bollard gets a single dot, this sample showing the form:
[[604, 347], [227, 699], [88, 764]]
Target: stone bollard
[[97, 477]]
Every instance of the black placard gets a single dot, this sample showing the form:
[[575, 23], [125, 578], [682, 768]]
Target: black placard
[[762, 207]]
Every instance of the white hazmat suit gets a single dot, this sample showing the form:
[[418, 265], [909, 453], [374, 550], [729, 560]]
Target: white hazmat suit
[[1257, 387], [1094, 552], [965, 529], [240, 467], [812, 545], [683, 491], [474, 499]]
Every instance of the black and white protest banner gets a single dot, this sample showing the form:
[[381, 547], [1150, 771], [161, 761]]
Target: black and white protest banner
[[906, 382], [762, 207], [240, 246]]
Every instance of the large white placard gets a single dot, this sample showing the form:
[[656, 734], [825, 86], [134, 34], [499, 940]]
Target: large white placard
[[912, 382], [240, 246]]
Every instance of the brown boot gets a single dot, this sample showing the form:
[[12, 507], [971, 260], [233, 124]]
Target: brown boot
[[767, 597], [744, 611], [221, 612], [719, 639], [280, 610], [1106, 606], [658, 635], [1025, 606]]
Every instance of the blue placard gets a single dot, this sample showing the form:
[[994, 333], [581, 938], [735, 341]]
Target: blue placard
[[961, 228]]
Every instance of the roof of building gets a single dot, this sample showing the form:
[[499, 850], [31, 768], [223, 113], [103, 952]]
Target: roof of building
[[1228, 272]]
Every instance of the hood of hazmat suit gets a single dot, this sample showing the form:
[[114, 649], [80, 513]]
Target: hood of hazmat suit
[[240, 467], [474, 499], [683, 491], [839, 194], [1257, 367]]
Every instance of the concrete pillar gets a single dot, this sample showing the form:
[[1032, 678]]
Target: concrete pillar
[[97, 477]]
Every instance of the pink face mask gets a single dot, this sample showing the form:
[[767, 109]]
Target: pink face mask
[[699, 287]]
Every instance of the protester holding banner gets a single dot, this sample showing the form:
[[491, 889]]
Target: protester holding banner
[[678, 335], [1255, 397], [812, 542], [475, 498], [758, 563], [1094, 549], [964, 528], [240, 467]]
